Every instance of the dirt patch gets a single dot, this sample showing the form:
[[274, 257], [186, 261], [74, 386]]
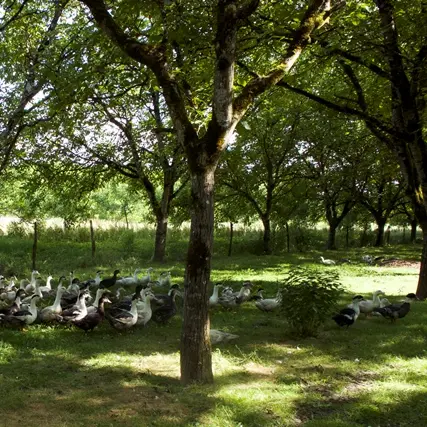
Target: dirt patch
[[399, 263]]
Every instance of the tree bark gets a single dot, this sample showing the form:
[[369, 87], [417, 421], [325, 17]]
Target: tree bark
[[230, 241], [332, 232], [288, 238], [160, 241], [267, 236], [422, 279], [379, 240], [196, 357]]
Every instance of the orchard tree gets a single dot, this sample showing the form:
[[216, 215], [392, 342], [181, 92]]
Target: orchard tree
[[261, 167], [376, 71], [192, 48], [31, 52], [334, 166], [383, 193], [128, 131]]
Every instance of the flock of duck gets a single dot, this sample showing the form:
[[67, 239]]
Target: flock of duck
[[376, 306], [72, 302]]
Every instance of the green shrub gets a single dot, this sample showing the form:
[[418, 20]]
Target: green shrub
[[309, 297]]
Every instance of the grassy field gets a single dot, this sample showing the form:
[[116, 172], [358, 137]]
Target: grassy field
[[373, 374]]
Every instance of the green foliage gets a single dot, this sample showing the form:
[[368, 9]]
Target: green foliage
[[308, 299]]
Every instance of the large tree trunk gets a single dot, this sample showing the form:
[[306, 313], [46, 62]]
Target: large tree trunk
[[267, 236], [160, 241], [196, 357], [422, 280], [379, 241], [331, 245]]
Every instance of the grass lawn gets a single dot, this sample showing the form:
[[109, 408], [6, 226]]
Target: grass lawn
[[373, 374]]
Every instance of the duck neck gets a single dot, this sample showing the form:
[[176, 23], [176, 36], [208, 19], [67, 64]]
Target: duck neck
[[98, 296], [33, 279], [33, 306], [57, 302], [215, 292], [81, 304], [37, 290]]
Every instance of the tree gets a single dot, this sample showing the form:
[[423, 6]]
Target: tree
[[335, 167], [261, 166], [31, 52], [154, 39], [383, 61], [124, 130], [382, 194]]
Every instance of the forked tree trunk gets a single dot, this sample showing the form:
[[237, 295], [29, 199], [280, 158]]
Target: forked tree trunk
[[160, 241], [196, 357], [267, 236], [230, 241]]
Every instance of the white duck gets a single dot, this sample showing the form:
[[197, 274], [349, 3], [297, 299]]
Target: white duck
[[269, 304], [213, 300], [29, 316], [144, 309], [217, 336], [46, 290], [50, 313], [368, 306], [130, 280], [327, 261], [29, 289], [9, 292]]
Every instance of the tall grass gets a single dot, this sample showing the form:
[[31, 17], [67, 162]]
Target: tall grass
[[65, 249]]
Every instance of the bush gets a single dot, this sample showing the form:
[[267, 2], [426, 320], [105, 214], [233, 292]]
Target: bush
[[309, 297]]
